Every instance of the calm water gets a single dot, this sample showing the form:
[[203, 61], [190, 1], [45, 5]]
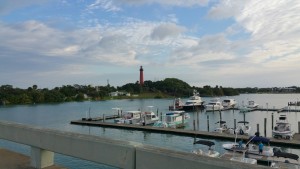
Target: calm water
[[58, 116]]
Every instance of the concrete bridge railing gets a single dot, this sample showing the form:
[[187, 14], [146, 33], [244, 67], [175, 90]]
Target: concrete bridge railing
[[121, 154]]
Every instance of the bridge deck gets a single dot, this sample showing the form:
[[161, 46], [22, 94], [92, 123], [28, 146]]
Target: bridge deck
[[13, 160]]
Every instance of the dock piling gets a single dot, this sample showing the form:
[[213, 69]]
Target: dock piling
[[265, 127], [160, 116], [194, 125], [298, 126], [207, 122], [234, 125], [103, 117], [272, 121], [198, 120], [257, 128]]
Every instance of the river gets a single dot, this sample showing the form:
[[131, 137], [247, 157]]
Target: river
[[58, 116]]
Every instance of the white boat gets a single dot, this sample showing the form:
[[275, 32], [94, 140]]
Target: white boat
[[229, 103], [251, 147], [222, 127], [214, 105], [244, 159], [251, 104], [174, 119], [177, 104], [243, 128], [282, 128], [193, 103], [210, 153], [130, 117], [149, 118]]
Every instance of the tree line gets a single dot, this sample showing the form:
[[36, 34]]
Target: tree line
[[169, 87]]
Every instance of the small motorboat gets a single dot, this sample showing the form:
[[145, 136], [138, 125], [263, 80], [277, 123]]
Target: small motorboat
[[177, 104], [210, 153], [242, 158], [282, 128], [222, 127], [284, 160], [130, 117], [252, 104], [251, 146], [243, 128]]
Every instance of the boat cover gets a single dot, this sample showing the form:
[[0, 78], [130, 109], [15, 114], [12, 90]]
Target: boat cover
[[259, 139], [245, 122], [286, 155], [205, 142]]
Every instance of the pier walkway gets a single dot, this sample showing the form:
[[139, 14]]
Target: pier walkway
[[213, 135]]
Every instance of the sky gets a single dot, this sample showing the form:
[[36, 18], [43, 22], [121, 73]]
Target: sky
[[229, 43]]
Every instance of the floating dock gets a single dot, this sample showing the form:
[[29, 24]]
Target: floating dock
[[203, 134]]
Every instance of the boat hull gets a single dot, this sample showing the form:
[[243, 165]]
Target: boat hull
[[252, 149], [192, 107]]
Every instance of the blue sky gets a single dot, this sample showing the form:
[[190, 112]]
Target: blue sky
[[230, 43]]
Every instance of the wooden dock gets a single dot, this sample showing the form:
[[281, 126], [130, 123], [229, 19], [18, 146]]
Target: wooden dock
[[101, 118], [203, 134]]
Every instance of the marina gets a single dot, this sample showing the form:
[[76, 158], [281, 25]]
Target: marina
[[201, 124]]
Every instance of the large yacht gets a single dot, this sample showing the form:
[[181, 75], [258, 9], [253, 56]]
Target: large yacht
[[194, 103]]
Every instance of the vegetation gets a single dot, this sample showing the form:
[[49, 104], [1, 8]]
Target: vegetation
[[169, 87]]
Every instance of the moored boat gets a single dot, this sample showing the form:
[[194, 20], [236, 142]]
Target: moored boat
[[130, 117], [251, 146], [173, 119], [193, 103], [214, 105], [177, 104], [210, 153], [243, 128], [229, 103], [251, 104], [282, 128], [149, 118]]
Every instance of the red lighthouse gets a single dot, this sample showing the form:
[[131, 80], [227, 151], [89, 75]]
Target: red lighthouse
[[141, 76]]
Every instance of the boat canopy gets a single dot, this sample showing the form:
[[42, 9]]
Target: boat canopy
[[205, 142], [245, 122], [282, 118], [259, 139]]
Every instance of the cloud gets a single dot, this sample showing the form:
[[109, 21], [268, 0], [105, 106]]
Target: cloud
[[116, 5], [163, 31], [186, 3], [106, 5], [226, 9]]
